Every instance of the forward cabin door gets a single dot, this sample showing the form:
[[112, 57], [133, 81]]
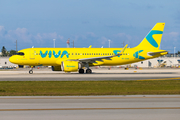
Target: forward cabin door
[[32, 54]]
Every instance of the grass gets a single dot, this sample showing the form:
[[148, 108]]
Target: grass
[[63, 88]]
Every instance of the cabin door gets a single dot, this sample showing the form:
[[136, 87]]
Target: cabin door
[[32, 54]]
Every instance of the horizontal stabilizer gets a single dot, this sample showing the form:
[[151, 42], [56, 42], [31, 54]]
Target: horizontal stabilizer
[[153, 53]]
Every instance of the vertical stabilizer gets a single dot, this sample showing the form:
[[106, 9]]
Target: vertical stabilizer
[[153, 38]]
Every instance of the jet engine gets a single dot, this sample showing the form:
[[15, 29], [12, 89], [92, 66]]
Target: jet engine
[[70, 66]]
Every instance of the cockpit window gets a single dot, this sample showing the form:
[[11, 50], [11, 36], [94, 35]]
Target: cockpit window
[[20, 53]]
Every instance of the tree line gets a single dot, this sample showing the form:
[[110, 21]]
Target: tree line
[[6, 53]]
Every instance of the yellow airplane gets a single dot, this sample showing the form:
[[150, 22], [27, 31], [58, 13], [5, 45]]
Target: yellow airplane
[[75, 59]]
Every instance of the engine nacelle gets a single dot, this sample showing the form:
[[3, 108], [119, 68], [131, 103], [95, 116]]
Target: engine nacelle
[[56, 68], [70, 66]]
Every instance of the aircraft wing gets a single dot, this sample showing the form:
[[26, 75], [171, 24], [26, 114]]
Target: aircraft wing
[[94, 59], [156, 52]]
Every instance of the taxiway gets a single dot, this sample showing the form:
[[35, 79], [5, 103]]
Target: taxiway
[[98, 74]]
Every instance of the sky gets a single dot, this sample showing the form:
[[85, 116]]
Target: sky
[[87, 22]]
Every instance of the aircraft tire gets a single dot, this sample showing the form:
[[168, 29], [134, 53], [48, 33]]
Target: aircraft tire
[[88, 71], [30, 72], [81, 71]]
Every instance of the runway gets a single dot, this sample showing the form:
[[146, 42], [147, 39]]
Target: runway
[[98, 74], [132, 107]]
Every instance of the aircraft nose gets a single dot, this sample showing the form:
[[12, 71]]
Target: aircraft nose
[[11, 59]]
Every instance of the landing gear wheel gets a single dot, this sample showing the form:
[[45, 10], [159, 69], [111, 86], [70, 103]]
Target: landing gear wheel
[[30, 72], [88, 71], [81, 71]]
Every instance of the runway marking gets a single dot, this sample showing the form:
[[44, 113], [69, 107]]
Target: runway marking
[[90, 97], [178, 78], [89, 109]]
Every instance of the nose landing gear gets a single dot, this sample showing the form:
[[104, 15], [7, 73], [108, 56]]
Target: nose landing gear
[[31, 70]]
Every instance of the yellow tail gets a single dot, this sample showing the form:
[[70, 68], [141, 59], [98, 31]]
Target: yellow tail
[[153, 38]]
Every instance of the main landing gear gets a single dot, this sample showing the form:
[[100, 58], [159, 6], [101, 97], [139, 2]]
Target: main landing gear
[[81, 71], [31, 70], [88, 71]]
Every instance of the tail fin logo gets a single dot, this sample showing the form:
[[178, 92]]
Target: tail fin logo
[[150, 38]]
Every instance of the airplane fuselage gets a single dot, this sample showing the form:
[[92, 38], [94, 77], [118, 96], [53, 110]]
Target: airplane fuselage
[[54, 56]]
